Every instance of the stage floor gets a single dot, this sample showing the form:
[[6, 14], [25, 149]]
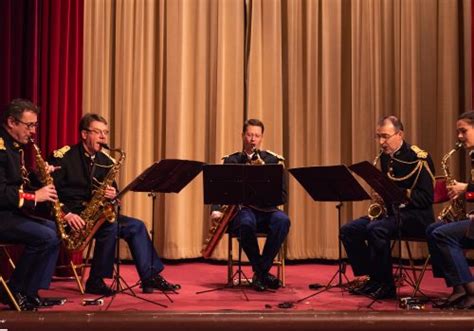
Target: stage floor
[[199, 276], [237, 309]]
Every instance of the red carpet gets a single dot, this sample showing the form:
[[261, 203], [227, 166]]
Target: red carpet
[[198, 276]]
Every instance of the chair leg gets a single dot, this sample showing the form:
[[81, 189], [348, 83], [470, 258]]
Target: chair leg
[[230, 261], [422, 274], [76, 276], [9, 293], [86, 262], [282, 264], [410, 259], [10, 260]]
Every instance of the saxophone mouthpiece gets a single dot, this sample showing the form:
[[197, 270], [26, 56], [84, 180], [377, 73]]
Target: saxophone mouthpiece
[[104, 145]]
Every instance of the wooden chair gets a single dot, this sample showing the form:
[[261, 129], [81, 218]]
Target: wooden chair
[[279, 261], [4, 247]]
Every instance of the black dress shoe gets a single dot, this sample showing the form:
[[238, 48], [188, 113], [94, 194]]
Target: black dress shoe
[[97, 286], [159, 283], [448, 304], [384, 292], [38, 302], [20, 299], [258, 283], [366, 288], [272, 282]]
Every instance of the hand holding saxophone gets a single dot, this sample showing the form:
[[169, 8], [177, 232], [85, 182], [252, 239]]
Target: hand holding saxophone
[[74, 221], [216, 214], [46, 193], [110, 192], [456, 189]]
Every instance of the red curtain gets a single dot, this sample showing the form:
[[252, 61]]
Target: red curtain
[[41, 59]]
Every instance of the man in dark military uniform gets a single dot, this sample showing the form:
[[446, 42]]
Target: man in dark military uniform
[[367, 242], [447, 241], [83, 168], [17, 203], [253, 219]]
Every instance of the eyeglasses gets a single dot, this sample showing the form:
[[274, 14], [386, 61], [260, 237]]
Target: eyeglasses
[[99, 132], [30, 126], [384, 136]]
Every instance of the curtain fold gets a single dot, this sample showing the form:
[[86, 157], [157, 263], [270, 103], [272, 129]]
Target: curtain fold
[[41, 60], [170, 77]]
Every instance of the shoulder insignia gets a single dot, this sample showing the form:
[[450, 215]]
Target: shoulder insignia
[[2, 144], [279, 157], [226, 156], [59, 153], [421, 154]]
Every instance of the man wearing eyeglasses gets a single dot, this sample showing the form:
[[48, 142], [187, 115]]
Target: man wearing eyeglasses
[[18, 200], [367, 242], [83, 168]]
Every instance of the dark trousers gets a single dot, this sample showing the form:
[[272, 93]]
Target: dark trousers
[[367, 244], [134, 232], [447, 242], [248, 222], [36, 266]]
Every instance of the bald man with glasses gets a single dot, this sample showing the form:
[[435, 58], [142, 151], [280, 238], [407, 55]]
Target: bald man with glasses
[[366, 240]]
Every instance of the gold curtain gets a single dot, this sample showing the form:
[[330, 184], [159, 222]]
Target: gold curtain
[[169, 75]]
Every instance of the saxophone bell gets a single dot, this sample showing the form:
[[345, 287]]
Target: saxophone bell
[[377, 207]]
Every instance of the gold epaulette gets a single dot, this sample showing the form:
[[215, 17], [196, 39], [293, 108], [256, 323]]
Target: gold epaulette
[[59, 153], [2, 144], [421, 154], [226, 156], [279, 157]]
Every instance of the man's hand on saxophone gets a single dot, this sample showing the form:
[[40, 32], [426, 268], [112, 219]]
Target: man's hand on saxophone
[[46, 193], [456, 190], [74, 221], [216, 214], [110, 192]]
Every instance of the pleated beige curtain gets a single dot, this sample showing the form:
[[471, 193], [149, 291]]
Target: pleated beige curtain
[[169, 75]]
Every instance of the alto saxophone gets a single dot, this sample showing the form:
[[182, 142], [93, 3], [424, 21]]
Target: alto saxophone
[[377, 207], [46, 179], [456, 210], [98, 209]]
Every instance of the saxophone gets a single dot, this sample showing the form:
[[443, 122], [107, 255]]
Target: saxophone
[[456, 210], [377, 207], [97, 211], [46, 179]]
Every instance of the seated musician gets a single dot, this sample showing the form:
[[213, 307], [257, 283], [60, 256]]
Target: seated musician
[[447, 241], [253, 219], [367, 242], [18, 201], [82, 170]]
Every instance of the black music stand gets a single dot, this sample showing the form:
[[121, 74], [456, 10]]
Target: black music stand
[[331, 183], [241, 184], [165, 176], [392, 196]]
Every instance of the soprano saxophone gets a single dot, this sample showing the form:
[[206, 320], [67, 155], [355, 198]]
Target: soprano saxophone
[[46, 179]]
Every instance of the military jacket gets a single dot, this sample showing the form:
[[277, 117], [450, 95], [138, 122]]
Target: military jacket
[[12, 182], [78, 176], [412, 169], [269, 158]]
